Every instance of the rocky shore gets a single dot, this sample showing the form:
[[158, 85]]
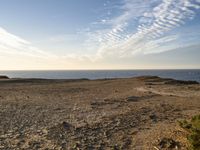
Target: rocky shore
[[139, 113], [3, 77]]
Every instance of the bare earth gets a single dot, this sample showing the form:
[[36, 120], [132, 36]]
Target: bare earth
[[136, 113]]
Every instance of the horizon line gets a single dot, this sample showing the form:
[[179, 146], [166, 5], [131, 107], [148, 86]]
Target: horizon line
[[101, 69]]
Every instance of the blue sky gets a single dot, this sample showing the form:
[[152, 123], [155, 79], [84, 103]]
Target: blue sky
[[99, 34]]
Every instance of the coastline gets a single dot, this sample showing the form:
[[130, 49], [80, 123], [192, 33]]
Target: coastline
[[178, 74], [117, 113]]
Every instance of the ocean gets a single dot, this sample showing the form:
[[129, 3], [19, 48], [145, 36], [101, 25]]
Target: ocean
[[101, 74]]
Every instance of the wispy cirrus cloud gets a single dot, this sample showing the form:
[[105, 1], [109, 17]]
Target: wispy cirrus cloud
[[15, 45], [142, 27], [18, 53]]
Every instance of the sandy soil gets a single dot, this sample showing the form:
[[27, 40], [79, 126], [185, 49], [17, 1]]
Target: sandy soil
[[136, 113]]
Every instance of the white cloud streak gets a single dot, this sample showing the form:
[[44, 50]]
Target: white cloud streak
[[17, 53], [152, 20], [12, 44]]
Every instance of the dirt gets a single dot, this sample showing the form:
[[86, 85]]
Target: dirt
[[136, 113]]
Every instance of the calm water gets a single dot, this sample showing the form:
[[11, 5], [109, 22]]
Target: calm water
[[99, 74]]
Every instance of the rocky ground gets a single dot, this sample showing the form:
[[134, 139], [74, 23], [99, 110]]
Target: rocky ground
[[136, 113]]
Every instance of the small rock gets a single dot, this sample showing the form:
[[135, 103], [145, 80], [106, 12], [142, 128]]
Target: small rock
[[66, 125], [168, 143], [132, 99], [153, 117], [45, 131]]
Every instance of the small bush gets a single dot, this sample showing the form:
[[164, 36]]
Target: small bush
[[193, 127]]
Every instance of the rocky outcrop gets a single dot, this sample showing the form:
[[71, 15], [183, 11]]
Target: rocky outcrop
[[3, 77], [150, 80], [175, 82]]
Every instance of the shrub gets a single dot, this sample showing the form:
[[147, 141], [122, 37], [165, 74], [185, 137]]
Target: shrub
[[193, 127]]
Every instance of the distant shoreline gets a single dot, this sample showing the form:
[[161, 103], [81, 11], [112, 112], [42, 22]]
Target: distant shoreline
[[102, 74], [99, 69], [31, 80]]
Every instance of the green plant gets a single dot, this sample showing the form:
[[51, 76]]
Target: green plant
[[193, 127]]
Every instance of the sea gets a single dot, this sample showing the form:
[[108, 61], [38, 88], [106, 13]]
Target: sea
[[102, 74]]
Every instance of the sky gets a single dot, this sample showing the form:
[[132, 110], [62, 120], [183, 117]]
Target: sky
[[99, 34]]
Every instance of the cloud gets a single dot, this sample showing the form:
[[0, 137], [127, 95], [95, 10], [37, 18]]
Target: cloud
[[18, 53], [151, 19], [141, 28], [12, 44]]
